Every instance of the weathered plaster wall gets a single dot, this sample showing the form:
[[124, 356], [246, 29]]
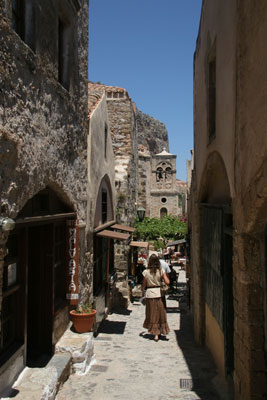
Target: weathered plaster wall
[[213, 176], [217, 29], [240, 29], [251, 204], [214, 339], [100, 168], [99, 165]]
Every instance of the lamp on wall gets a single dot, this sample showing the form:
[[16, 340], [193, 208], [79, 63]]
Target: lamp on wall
[[6, 224], [141, 213]]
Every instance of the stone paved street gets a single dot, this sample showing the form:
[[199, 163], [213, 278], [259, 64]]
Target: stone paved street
[[130, 365]]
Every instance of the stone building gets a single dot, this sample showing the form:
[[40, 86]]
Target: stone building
[[228, 197], [101, 200], [163, 191], [43, 164], [158, 188], [122, 129]]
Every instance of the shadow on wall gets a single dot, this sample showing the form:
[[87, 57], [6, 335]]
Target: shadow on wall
[[205, 381]]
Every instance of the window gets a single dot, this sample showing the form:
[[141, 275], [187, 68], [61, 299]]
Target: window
[[159, 174], [104, 206], [23, 20], [212, 97], [115, 95], [64, 54], [163, 200], [168, 174]]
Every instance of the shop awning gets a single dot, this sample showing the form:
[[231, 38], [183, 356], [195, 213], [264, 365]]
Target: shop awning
[[113, 234], [123, 228], [139, 244]]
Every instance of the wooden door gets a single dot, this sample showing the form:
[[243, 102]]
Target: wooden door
[[40, 292]]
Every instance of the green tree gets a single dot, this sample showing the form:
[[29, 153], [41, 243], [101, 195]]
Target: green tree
[[161, 231]]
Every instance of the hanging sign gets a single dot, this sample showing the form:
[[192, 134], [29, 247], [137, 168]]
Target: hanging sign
[[72, 262]]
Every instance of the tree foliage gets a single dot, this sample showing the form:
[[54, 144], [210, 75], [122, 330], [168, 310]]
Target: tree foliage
[[163, 230]]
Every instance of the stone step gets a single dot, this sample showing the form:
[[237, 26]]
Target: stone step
[[42, 383], [73, 354]]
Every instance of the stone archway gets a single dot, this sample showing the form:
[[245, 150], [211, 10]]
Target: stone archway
[[103, 249], [215, 264], [34, 278], [104, 211]]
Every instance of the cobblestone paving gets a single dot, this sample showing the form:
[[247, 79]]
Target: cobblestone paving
[[129, 365]]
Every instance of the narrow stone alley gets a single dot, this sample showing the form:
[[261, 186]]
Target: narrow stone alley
[[130, 365]]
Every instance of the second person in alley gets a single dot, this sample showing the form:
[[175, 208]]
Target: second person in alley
[[156, 317]]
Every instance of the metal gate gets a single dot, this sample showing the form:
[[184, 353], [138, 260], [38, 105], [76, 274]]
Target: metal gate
[[218, 274], [212, 257]]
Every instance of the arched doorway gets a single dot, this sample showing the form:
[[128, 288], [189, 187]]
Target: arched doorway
[[103, 250], [35, 276], [163, 212], [216, 264]]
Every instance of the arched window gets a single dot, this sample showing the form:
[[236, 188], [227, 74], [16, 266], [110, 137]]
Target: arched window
[[163, 212], [168, 174], [159, 175]]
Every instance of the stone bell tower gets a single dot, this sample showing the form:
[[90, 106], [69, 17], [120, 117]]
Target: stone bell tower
[[163, 194]]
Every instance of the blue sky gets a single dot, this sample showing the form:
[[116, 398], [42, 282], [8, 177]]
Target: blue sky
[[147, 47]]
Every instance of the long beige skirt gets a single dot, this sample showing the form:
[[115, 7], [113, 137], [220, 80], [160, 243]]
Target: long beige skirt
[[156, 317]]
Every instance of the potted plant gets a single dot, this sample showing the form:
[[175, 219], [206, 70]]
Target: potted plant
[[83, 318]]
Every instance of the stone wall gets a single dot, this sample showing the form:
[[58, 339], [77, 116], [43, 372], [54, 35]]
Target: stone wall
[[156, 203], [43, 126], [231, 170], [123, 132], [250, 284], [144, 180], [43, 123]]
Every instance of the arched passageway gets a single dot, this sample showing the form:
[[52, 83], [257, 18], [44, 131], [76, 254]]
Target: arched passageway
[[216, 271]]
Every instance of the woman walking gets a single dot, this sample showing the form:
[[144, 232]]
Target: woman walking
[[156, 317]]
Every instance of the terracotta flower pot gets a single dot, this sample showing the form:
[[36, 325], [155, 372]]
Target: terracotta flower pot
[[82, 322]]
